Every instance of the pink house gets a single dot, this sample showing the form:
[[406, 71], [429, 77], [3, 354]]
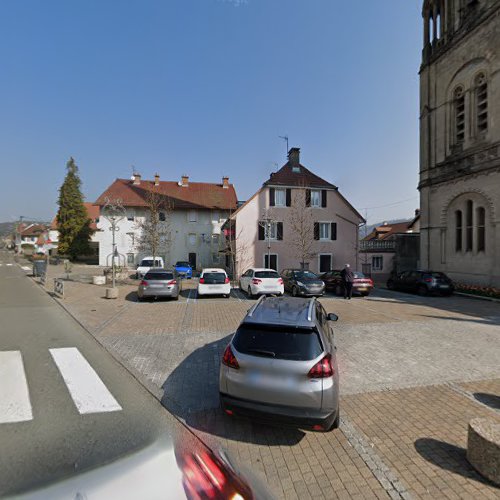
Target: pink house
[[296, 219]]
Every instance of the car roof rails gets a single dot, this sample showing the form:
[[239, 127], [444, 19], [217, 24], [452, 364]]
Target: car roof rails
[[252, 309], [310, 308]]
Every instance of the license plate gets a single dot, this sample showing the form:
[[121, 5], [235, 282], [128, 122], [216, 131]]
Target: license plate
[[444, 286], [361, 288], [156, 286]]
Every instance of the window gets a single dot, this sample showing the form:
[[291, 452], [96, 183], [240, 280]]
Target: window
[[192, 239], [481, 97], [377, 263], [324, 230], [280, 197], [481, 231], [469, 230], [273, 264], [130, 259], [192, 216], [215, 258], [459, 115], [325, 262], [162, 217], [273, 230], [215, 239], [315, 198], [130, 215], [458, 230]]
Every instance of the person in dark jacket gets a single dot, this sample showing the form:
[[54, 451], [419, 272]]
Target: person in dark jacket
[[347, 281]]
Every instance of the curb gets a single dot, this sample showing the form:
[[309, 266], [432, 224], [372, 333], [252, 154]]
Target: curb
[[479, 297]]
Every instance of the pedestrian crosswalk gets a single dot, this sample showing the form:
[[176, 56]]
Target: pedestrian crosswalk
[[85, 387]]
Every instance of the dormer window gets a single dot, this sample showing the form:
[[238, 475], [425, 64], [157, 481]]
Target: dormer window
[[296, 170]]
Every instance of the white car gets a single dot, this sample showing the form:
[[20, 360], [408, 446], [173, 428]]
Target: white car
[[214, 282], [257, 281], [146, 264]]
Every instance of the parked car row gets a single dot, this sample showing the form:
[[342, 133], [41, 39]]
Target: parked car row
[[422, 282]]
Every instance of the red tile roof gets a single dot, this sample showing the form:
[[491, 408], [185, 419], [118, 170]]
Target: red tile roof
[[286, 176], [385, 231], [33, 230], [195, 195]]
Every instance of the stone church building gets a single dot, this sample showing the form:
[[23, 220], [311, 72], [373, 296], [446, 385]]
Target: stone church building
[[460, 140]]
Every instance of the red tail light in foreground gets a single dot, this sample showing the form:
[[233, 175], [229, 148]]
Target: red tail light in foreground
[[226, 281], [202, 280], [256, 281], [280, 281], [173, 282], [229, 359], [428, 280], [322, 369], [144, 283]]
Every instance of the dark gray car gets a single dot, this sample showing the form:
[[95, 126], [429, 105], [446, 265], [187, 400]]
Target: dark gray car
[[300, 282], [281, 365], [159, 283]]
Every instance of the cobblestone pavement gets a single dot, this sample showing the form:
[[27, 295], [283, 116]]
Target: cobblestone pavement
[[402, 436]]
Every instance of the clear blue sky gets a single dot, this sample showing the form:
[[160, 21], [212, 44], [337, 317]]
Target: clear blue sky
[[205, 87]]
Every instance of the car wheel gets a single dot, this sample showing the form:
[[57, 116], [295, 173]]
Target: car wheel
[[176, 297], [422, 290], [338, 291], [294, 291], [249, 293]]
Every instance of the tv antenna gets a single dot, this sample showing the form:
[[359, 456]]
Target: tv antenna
[[285, 138]]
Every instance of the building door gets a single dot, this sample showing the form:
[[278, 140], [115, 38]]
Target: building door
[[274, 261], [192, 260], [325, 262]]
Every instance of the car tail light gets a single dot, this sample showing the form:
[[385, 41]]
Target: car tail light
[[256, 281], [428, 280], [323, 368], [370, 281], [280, 281], [144, 283], [202, 280], [205, 476], [173, 282], [229, 359], [226, 281]]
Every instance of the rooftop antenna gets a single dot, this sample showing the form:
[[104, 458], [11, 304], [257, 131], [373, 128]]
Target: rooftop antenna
[[285, 138]]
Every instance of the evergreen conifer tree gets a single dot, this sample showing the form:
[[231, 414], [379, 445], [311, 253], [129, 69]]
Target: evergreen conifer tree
[[72, 219]]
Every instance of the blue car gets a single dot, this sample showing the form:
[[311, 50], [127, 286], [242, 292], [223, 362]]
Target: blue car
[[183, 269]]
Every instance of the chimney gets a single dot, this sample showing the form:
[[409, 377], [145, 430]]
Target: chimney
[[294, 157], [157, 179], [225, 182], [185, 181], [417, 212], [137, 179]]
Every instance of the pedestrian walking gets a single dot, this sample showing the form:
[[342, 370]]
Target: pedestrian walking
[[347, 281]]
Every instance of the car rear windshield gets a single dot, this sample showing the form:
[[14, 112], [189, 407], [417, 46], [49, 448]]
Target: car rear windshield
[[266, 274], [214, 278], [159, 276], [182, 264], [359, 275], [437, 275], [149, 263], [281, 343]]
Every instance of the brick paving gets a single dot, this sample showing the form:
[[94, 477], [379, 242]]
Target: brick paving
[[400, 437]]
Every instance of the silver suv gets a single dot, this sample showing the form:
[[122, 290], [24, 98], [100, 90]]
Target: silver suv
[[280, 365]]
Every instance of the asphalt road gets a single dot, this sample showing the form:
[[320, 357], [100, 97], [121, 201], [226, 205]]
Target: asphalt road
[[66, 405]]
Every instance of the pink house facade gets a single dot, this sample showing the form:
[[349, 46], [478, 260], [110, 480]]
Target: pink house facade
[[296, 219]]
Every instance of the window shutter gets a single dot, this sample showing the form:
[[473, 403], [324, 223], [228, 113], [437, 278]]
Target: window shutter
[[271, 197], [288, 197], [323, 198], [279, 230], [316, 230], [308, 197], [262, 235], [333, 231]]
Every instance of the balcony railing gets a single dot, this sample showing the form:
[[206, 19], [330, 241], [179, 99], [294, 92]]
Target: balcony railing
[[377, 246]]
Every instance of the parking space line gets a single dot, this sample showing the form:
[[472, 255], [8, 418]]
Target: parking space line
[[87, 390], [15, 405]]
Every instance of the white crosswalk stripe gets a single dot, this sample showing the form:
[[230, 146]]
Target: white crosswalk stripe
[[8, 264], [88, 391], [24, 268], [15, 405]]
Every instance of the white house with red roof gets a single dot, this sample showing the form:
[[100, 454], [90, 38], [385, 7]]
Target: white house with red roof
[[198, 211], [305, 214]]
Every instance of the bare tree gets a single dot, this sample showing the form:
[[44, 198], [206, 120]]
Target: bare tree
[[156, 227], [301, 223]]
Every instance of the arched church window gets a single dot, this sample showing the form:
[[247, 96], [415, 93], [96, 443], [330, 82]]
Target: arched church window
[[481, 98], [459, 114], [481, 229], [458, 230], [469, 229]]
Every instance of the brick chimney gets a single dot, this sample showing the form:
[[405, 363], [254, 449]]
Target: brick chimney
[[294, 157], [225, 182], [137, 179], [185, 181], [157, 179]]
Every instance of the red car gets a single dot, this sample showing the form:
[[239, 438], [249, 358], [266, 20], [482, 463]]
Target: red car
[[333, 281]]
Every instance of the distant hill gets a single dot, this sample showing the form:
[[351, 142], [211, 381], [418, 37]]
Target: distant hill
[[370, 227]]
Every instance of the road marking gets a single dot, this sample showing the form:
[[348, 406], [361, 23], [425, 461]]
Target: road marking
[[88, 391], [15, 403], [9, 265], [24, 268]]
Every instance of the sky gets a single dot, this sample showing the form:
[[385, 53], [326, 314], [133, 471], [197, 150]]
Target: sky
[[205, 88]]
